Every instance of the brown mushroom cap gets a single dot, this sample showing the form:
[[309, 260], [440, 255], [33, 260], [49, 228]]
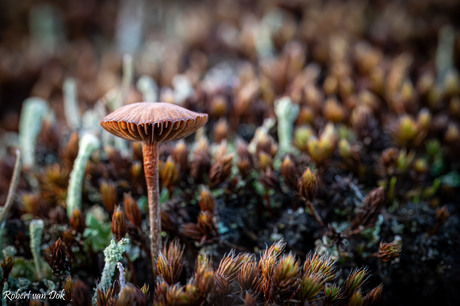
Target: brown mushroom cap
[[153, 122]]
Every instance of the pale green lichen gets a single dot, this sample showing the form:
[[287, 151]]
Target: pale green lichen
[[5, 289], [45, 34], [8, 140], [126, 82], [263, 33], [287, 113], [183, 89], [130, 25], [87, 145], [71, 109], [36, 230], [122, 94], [444, 53], [90, 121], [372, 234], [23, 283], [2, 238], [33, 111], [9, 251], [50, 287], [113, 254], [98, 112], [148, 87]]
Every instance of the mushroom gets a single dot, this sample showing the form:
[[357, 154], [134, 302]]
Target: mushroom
[[153, 123]]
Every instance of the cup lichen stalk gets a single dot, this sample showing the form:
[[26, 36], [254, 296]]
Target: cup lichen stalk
[[45, 34], [100, 110], [149, 89], [87, 145], [183, 89], [71, 109], [287, 113], [36, 230], [130, 25], [126, 83], [445, 53], [90, 120], [33, 111], [113, 253], [90, 123]]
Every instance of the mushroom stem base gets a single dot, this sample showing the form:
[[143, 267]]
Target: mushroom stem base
[[151, 158]]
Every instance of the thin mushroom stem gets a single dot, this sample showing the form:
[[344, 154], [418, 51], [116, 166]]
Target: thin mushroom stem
[[151, 159]]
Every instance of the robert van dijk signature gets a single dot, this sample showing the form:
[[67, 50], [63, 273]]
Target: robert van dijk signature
[[16, 295]]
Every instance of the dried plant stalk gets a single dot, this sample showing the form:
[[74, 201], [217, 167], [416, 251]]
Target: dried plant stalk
[[12, 189]]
